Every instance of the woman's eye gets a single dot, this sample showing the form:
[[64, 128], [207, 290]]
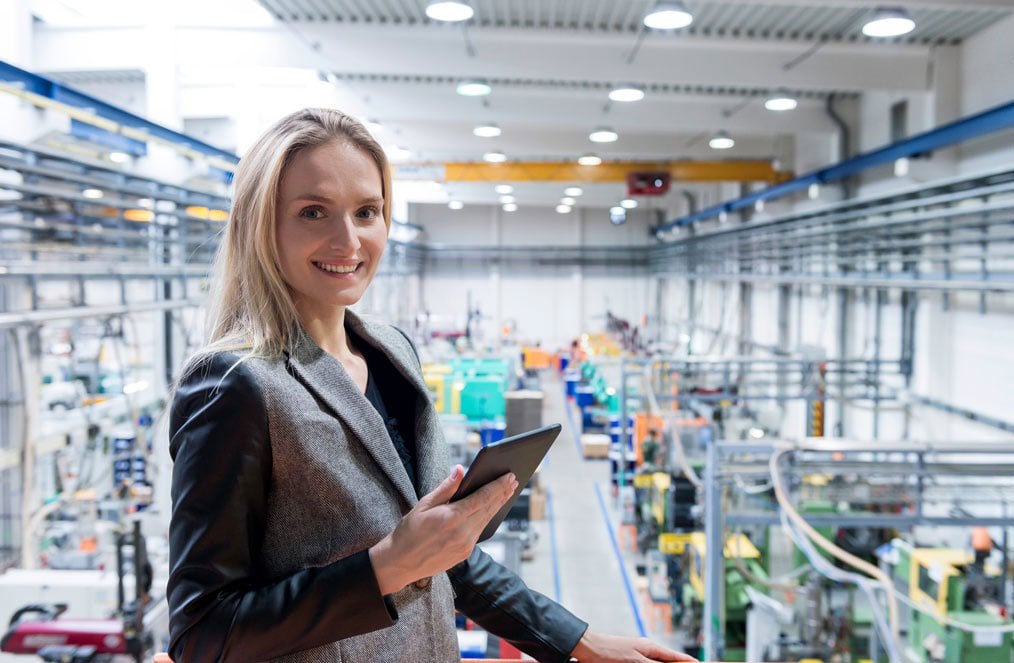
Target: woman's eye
[[311, 213], [369, 213]]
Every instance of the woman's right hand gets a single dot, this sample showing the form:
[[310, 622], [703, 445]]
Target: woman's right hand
[[437, 534]]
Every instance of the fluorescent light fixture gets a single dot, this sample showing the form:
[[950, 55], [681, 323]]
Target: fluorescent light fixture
[[589, 160], [510, 207], [573, 191], [486, 131], [668, 16], [507, 198], [627, 93], [563, 209], [119, 157], [474, 88], [889, 22], [617, 215], [94, 194], [455, 204], [721, 141], [503, 189], [494, 157], [135, 387], [568, 201], [901, 167], [781, 101], [759, 206], [451, 12], [723, 216], [146, 203], [628, 203], [603, 135], [617, 210], [813, 191]]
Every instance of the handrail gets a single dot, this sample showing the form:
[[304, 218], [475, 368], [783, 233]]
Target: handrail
[[991, 120]]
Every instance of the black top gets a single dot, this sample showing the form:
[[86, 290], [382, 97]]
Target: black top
[[394, 399]]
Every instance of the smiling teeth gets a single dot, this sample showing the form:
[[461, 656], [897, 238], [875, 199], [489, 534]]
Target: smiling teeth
[[336, 269]]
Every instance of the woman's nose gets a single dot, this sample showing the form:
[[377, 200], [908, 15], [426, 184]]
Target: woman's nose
[[344, 235]]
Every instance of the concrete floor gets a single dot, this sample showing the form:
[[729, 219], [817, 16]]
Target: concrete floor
[[577, 560]]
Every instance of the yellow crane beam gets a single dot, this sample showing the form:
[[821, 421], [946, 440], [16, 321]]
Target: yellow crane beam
[[616, 171]]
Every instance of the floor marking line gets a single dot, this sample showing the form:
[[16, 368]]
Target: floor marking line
[[551, 517], [575, 431], [619, 560]]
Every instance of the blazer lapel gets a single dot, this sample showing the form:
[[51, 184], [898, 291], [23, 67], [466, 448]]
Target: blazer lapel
[[324, 375], [432, 464]]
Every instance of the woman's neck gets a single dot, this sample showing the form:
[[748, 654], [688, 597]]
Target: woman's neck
[[327, 329]]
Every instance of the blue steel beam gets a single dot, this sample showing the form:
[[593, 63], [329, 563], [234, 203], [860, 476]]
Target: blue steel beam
[[989, 121], [50, 89]]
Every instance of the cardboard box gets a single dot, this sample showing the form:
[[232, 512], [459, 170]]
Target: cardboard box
[[594, 445], [537, 505]]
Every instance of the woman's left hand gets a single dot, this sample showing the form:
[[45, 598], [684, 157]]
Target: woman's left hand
[[602, 648]]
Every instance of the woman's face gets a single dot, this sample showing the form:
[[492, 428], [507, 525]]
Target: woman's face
[[330, 229]]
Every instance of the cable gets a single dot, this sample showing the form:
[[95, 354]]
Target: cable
[[674, 442], [781, 495], [829, 570]]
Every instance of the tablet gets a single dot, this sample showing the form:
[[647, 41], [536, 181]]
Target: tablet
[[520, 454]]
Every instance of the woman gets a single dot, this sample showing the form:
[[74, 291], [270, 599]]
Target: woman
[[310, 515]]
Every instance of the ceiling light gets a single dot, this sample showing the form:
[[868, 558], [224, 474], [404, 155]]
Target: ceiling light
[[668, 16], [892, 22], [567, 201], [628, 203], [563, 209], [455, 204], [510, 207], [721, 141], [451, 12], [617, 215], [507, 199], [119, 157], [627, 93], [94, 194], [617, 210], [486, 131], [503, 188], [573, 191], [781, 101], [589, 160], [603, 135], [813, 191], [494, 157], [474, 88], [901, 167], [759, 206]]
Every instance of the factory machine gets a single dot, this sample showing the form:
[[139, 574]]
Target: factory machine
[[138, 622], [957, 585]]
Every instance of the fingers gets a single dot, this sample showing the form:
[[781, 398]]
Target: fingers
[[655, 652], [490, 498], [445, 491]]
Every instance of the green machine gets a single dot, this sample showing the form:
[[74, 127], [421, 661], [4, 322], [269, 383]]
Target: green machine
[[740, 553], [479, 385], [956, 584]]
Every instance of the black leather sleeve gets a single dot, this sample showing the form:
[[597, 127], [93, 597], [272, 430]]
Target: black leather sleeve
[[220, 607], [500, 602]]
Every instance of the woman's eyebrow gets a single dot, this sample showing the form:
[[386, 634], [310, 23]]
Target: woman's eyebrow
[[318, 198]]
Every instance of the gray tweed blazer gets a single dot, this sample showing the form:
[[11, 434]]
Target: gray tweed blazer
[[338, 487]]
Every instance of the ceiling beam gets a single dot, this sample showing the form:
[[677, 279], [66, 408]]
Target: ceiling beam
[[568, 171]]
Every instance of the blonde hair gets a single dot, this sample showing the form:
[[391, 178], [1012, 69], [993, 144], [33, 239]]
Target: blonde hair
[[250, 307]]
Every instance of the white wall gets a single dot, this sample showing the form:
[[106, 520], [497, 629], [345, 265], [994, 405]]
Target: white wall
[[550, 305]]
